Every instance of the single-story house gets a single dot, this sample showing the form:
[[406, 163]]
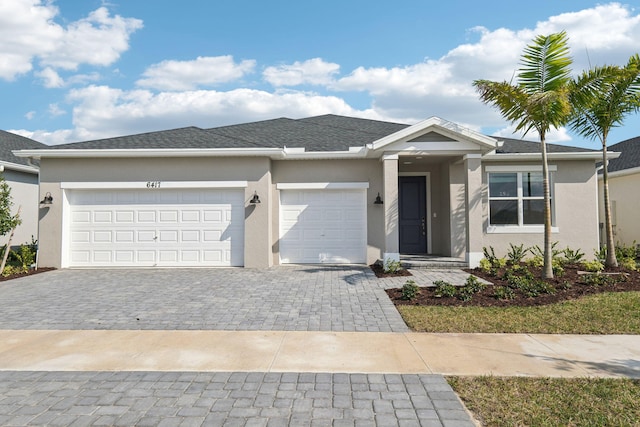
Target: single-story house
[[326, 189], [624, 192], [22, 177]]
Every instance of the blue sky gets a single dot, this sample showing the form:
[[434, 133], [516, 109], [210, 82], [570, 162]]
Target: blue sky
[[79, 70]]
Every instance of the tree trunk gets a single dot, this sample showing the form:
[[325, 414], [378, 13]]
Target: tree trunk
[[547, 270], [8, 248], [611, 260]]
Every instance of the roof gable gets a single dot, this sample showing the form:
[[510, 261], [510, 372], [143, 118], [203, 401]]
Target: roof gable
[[436, 134], [629, 155], [10, 141]]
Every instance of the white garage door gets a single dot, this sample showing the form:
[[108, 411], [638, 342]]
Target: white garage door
[[323, 226], [142, 228]]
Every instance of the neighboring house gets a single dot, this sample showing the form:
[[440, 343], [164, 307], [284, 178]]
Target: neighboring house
[[624, 192], [187, 197], [22, 177]]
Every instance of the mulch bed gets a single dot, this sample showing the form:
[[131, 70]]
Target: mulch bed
[[28, 273], [378, 269], [568, 287]]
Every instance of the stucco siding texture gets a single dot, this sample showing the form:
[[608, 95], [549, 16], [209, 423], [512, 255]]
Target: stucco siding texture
[[624, 194]]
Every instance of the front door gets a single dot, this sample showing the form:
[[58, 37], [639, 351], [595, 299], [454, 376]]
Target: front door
[[413, 226]]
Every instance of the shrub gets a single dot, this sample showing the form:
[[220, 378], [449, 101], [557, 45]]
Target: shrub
[[444, 289], [391, 266], [516, 254], [11, 269], [474, 284], [558, 270], [628, 263], [25, 256], [632, 251], [490, 255], [485, 265], [503, 292], [596, 279], [465, 293], [593, 266], [410, 290], [571, 256]]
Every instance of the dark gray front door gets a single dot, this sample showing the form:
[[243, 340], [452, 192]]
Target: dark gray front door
[[413, 226]]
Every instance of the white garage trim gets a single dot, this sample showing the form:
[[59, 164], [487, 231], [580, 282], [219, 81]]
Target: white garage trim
[[323, 226], [322, 185], [154, 227], [152, 184]]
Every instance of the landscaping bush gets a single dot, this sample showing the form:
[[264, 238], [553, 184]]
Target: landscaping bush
[[444, 289], [597, 279], [571, 256], [593, 266], [503, 292], [516, 254], [392, 266], [410, 290]]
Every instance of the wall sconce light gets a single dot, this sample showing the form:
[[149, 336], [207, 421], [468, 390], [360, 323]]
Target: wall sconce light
[[378, 200], [255, 199], [47, 200]]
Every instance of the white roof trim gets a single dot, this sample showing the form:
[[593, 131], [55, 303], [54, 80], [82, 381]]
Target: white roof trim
[[623, 172], [19, 168], [593, 155], [445, 127], [150, 152], [322, 186]]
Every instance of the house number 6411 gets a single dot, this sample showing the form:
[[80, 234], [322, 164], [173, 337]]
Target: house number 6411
[[153, 184]]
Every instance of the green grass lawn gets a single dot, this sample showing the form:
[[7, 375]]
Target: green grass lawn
[[550, 402], [607, 313]]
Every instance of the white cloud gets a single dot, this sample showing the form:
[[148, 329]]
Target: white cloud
[[554, 136], [55, 110], [189, 75], [28, 32], [30, 115], [50, 78], [313, 71], [101, 111]]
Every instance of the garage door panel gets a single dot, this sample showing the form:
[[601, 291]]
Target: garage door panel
[[147, 232], [323, 226]]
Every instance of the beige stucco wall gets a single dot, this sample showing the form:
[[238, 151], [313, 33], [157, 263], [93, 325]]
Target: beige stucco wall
[[254, 170], [24, 193], [576, 210], [624, 193], [307, 171]]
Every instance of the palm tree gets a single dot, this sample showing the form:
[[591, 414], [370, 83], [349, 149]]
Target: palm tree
[[611, 93], [540, 101]]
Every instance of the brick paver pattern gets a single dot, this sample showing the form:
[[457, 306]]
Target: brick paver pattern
[[227, 399]]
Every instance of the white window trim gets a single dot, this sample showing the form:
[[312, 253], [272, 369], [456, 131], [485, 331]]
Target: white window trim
[[520, 228]]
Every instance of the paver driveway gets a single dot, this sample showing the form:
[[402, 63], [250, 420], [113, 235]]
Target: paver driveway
[[305, 298]]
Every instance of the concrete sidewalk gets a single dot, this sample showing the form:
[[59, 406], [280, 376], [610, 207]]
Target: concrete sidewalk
[[345, 352]]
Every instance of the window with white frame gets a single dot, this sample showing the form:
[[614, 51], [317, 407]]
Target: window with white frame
[[516, 199]]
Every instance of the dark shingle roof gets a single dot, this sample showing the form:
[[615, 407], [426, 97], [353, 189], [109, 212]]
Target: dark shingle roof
[[10, 141], [316, 134], [629, 157], [514, 146]]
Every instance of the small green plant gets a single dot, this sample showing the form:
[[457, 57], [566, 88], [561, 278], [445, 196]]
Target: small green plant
[[593, 266], [465, 293], [503, 292], [558, 270], [474, 284], [25, 257], [490, 255], [516, 254], [632, 251], [391, 266], [571, 256], [485, 265], [444, 289], [10, 270], [628, 264], [410, 290], [597, 279]]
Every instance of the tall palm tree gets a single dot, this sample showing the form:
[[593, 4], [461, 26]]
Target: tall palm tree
[[613, 93], [539, 100]]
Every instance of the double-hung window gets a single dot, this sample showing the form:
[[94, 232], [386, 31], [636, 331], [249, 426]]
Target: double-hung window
[[516, 200]]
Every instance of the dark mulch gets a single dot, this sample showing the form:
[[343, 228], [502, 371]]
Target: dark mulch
[[378, 269], [28, 273], [569, 286]]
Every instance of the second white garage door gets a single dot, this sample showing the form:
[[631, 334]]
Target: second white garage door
[[143, 228], [323, 226]]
